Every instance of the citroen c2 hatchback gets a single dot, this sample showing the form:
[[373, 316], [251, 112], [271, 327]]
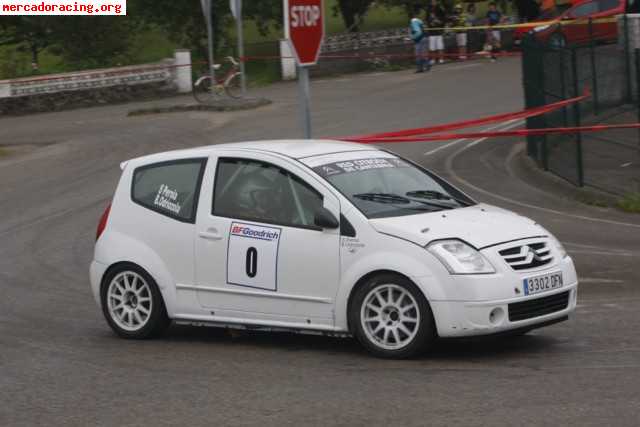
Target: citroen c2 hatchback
[[320, 237]]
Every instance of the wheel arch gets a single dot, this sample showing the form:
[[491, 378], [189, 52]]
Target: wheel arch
[[362, 280], [116, 249]]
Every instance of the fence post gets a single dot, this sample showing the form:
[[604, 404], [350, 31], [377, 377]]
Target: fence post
[[529, 99], [594, 75], [637, 55], [542, 120], [576, 110], [563, 79], [627, 56]]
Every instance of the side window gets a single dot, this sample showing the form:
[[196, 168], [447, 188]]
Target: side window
[[606, 5], [585, 9], [169, 188], [259, 191]]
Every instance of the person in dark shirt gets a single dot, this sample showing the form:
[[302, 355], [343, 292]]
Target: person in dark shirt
[[436, 18], [494, 17]]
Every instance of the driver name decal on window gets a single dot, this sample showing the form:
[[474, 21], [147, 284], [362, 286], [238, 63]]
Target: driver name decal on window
[[252, 258], [167, 199], [359, 165]]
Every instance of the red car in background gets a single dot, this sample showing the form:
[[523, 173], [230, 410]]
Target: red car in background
[[571, 26]]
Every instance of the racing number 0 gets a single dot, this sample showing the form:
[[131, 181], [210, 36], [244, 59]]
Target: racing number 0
[[252, 262]]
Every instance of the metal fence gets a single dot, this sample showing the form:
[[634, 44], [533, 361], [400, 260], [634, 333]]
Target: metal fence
[[609, 161]]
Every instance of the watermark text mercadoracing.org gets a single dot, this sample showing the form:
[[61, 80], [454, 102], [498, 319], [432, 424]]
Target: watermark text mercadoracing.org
[[63, 7]]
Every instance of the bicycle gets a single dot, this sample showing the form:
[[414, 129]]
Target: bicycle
[[205, 92]]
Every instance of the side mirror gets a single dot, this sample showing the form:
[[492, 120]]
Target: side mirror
[[325, 219]]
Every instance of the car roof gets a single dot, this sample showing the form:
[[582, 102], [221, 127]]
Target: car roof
[[294, 148]]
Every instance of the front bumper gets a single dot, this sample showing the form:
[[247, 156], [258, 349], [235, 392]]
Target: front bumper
[[472, 318]]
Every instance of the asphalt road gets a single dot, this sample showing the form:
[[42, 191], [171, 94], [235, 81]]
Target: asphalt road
[[61, 365]]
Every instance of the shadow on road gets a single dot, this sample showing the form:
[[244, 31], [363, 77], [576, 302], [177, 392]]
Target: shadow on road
[[445, 349]]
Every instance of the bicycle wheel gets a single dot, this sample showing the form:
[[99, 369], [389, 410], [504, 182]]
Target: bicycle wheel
[[232, 86], [203, 91]]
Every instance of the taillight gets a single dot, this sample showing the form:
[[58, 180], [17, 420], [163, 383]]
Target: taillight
[[103, 221]]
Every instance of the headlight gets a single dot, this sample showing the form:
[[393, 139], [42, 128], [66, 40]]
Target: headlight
[[558, 245], [460, 258]]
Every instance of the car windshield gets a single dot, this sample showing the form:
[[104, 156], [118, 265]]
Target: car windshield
[[385, 187]]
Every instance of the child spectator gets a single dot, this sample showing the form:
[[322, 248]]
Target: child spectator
[[494, 17]]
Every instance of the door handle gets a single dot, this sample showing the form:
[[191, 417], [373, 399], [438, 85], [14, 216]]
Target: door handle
[[210, 235]]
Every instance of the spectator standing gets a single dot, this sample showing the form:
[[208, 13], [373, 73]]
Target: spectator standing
[[436, 20], [459, 20], [420, 40], [494, 17]]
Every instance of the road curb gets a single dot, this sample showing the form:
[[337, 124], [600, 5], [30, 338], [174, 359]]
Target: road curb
[[220, 106], [528, 171]]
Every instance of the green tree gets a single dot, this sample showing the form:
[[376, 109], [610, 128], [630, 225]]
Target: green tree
[[93, 41], [32, 33], [184, 20], [410, 6], [353, 12]]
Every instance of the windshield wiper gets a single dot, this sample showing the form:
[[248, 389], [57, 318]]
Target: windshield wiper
[[383, 198], [435, 195], [395, 199]]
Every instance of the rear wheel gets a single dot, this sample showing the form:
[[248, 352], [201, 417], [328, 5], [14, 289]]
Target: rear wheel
[[391, 318], [132, 303], [205, 91]]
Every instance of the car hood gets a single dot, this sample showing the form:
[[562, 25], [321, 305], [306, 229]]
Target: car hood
[[480, 225]]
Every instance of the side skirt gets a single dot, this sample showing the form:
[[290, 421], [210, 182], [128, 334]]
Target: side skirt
[[261, 328]]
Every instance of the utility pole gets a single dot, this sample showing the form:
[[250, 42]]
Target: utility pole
[[236, 9], [206, 10]]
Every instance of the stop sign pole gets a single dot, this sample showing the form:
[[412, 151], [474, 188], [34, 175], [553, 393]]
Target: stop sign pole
[[304, 30]]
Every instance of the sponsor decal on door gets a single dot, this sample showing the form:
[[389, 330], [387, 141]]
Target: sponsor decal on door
[[252, 256]]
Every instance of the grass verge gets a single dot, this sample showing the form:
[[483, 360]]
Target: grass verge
[[630, 203]]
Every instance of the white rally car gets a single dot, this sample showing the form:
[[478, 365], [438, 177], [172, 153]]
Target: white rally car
[[321, 237]]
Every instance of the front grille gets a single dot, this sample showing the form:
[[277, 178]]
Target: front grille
[[527, 256], [538, 307]]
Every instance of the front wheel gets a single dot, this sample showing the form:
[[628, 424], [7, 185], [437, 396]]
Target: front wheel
[[391, 318], [232, 86], [132, 303]]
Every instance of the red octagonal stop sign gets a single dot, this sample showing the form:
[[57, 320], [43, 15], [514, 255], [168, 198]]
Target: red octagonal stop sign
[[304, 27]]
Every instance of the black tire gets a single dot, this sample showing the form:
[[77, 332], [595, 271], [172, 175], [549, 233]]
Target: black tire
[[204, 91], [155, 323], [232, 86], [423, 338]]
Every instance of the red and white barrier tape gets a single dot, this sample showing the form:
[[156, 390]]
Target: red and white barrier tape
[[425, 133]]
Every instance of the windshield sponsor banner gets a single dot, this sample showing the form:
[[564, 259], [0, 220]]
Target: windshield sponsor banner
[[350, 166]]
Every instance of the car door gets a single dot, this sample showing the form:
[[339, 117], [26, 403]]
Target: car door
[[259, 256]]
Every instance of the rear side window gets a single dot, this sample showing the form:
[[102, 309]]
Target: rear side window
[[170, 188]]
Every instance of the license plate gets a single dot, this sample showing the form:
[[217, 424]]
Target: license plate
[[542, 283]]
